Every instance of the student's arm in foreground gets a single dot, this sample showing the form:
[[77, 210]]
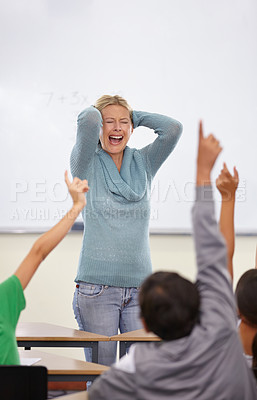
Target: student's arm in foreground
[[207, 238], [213, 279], [49, 240], [227, 185], [119, 382]]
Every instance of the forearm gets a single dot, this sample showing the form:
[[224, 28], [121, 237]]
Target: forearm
[[203, 178], [204, 224], [49, 240], [88, 129], [168, 130], [161, 124], [226, 224], [45, 244], [210, 247], [213, 279]]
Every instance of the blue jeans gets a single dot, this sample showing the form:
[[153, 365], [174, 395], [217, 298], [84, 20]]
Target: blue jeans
[[103, 310]]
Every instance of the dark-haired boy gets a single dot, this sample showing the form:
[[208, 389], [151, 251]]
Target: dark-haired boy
[[201, 356]]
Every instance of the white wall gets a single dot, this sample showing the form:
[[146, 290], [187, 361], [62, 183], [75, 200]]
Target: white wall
[[49, 295], [189, 59]]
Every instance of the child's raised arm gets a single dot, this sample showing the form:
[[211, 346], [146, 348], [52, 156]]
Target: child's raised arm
[[227, 185], [49, 240]]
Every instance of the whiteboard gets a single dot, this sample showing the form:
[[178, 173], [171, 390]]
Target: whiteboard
[[183, 58]]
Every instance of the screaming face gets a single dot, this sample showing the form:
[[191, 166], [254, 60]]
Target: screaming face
[[117, 129]]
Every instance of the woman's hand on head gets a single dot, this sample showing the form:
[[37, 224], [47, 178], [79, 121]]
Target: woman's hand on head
[[77, 189]]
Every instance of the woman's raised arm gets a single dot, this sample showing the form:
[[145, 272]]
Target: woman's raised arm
[[168, 130], [88, 129]]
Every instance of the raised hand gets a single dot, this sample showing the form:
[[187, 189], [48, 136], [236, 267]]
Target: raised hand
[[77, 189], [47, 242], [208, 151], [227, 183]]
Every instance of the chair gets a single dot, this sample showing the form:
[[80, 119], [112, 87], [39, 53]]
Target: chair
[[19, 382]]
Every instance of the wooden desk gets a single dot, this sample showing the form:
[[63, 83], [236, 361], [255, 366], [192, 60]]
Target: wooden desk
[[65, 369], [126, 339], [76, 396], [37, 334]]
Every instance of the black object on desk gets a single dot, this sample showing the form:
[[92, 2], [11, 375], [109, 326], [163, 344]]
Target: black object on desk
[[23, 382]]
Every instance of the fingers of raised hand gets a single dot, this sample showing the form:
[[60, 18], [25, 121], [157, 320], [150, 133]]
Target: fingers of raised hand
[[212, 146], [67, 181], [200, 130], [221, 180], [76, 181], [236, 176], [213, 141], [218, 181], [225, 172], [227, 177], [84, 186], [79, 185], [208, 139], [226, 183]]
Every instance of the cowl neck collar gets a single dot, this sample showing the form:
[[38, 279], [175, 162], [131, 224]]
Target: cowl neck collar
[[131, 182]]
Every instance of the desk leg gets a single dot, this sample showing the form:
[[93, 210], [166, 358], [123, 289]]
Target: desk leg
[[94, 346]]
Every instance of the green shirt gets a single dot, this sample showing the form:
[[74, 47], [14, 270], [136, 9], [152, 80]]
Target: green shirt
[[12, 302]]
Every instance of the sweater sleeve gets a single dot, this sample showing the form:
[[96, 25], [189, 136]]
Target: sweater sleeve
[[168, 130], [88, 129], [115, 384], [12, 300], [119, 382], [217, 299]]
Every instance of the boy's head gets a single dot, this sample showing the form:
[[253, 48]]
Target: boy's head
[[169, 305], [246, 291]]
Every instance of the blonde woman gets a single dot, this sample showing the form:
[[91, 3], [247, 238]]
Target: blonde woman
[[115, 254]]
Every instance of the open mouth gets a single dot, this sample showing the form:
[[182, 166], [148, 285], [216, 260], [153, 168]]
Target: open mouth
[[115, 139]]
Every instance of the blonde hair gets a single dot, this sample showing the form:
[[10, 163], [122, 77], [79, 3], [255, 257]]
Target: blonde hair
[[107, 100]]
